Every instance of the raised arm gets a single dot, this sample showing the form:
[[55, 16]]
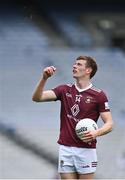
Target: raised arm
[[39, 95]]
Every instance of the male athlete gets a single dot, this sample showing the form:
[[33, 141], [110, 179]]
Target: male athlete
[[77, 158]]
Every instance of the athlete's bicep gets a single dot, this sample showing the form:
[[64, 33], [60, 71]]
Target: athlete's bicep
[[48, 95], [106, 117]]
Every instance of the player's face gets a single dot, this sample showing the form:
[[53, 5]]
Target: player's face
[[80, 69]]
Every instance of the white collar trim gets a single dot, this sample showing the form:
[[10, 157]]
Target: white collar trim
[[80, 90]]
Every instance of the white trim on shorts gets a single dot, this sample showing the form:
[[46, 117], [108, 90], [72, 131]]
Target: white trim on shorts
[[75, 159]]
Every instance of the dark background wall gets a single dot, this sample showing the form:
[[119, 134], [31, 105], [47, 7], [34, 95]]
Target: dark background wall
[[88, 5]]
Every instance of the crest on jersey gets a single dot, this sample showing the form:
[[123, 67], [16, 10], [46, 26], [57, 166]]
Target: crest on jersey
[[88, 99]]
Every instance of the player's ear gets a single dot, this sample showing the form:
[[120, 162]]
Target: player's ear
[[89, 70]]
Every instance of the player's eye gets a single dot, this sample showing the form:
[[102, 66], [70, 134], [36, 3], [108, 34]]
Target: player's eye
[[79, 64]]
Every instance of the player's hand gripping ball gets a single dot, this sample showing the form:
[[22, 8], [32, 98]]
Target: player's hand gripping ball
[[85, 125]]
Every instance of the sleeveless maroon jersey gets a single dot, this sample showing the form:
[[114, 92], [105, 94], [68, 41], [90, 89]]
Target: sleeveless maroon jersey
[[77, 104]]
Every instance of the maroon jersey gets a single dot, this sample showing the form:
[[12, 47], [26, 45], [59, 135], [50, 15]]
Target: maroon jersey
[[77, 104]]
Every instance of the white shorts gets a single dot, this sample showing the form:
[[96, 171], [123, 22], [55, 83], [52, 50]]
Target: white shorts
[[80, 160]]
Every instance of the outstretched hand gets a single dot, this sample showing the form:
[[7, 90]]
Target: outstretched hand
[[48, 72]]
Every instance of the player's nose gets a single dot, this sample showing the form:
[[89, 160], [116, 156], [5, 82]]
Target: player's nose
[[74, 66]]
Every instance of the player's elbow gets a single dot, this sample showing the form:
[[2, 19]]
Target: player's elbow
[[111, 125], [35, 99]]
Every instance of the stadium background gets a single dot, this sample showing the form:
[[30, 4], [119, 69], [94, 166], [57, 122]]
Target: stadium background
[[35, 34]]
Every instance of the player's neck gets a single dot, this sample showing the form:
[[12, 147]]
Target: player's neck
[[83, 84]]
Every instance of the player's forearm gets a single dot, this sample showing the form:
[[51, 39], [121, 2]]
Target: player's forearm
[[37, 95], [105, 129]]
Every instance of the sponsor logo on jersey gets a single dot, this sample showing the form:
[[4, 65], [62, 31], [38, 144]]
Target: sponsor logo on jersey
[[72, 117], [75, 109], [68, 95]]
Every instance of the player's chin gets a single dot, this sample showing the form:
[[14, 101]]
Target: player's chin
[[74, 76]]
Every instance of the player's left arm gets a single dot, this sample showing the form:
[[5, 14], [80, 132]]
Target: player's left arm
[[108, 123], [106, 128]]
